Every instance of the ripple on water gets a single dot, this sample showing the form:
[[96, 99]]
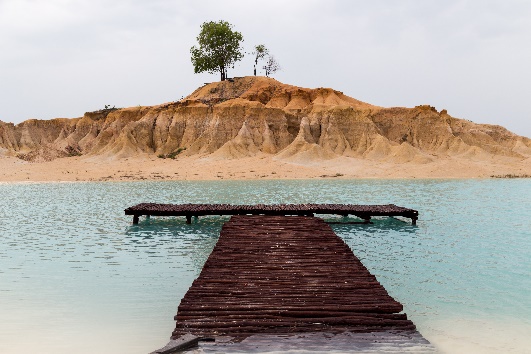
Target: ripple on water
[[73, 266]]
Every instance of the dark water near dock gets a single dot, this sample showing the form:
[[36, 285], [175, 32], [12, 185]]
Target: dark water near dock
[[74, 270]]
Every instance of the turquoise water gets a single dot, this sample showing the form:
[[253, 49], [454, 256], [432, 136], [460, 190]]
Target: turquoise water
[[77, 277]]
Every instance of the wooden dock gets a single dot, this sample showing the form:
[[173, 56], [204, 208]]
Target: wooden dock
[[365, 212], [285, 275]]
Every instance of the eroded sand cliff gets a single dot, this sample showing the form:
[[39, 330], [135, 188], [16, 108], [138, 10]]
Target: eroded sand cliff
[[263, 118]]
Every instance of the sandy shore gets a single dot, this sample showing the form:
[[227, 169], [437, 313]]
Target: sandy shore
[[98, 168]]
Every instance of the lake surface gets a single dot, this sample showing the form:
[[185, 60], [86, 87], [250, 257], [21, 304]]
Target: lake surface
[[77, 277]]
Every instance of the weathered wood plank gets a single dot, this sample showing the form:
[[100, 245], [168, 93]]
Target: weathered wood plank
[[278, 274], [365, 212]]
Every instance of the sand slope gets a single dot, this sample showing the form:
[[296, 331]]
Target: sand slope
[[258, 119]]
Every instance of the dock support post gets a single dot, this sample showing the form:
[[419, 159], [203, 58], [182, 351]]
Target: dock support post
[[135, 219], [188, 219], [413, 221], [367, 220]]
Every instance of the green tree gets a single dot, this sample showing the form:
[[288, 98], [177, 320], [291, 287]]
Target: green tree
[[219, 48], [260, 52]]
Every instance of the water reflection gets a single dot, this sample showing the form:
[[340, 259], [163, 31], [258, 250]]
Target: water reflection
[[378, 224], [172, 237]]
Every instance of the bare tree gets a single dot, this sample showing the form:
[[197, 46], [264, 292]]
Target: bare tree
[[271, 66]]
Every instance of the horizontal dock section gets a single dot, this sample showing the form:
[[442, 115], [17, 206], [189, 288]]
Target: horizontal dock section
[[281, 275], [364, 212]]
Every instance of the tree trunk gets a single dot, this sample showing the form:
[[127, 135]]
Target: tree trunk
[[223, 74]]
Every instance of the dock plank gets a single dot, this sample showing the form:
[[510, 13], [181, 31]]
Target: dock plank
[[362, 211], [280, 275]]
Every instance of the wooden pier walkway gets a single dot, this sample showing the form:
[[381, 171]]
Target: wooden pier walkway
[[365, 212], [281, 275]]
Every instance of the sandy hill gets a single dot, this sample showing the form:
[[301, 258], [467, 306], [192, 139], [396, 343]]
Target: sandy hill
[[252, 116]]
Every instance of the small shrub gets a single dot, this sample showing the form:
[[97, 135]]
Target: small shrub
[[171, 155], [72, 151]]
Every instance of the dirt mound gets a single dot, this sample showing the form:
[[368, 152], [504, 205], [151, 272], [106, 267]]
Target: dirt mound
[[244, 117]]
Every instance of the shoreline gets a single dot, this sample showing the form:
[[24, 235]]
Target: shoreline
[[262, 167], [263, 179]]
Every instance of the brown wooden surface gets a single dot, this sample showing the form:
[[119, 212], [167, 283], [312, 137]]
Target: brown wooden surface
[[278, 274], [188, 210]]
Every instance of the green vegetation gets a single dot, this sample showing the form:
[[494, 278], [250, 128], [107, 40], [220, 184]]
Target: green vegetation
[[260, 52], [336, 175], [219, 48], [72, 151], [171, 155], [101, 113]]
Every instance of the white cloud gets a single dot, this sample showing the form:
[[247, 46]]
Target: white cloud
[[64, 57]]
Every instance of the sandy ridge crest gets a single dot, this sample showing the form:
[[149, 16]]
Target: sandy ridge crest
[[262, 125]]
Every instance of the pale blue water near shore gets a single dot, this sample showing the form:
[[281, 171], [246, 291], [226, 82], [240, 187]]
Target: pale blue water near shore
[[77, 277]]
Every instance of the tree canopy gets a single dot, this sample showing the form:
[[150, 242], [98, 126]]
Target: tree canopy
[[260, 52], [219, 48]]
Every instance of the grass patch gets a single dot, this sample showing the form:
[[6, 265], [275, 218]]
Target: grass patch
[[72, 151], [336, 175], [171, 155]]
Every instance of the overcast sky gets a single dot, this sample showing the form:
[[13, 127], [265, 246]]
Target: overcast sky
[[61, 58]]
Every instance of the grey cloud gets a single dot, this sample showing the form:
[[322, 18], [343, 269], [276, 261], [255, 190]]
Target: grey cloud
[[61, 58]]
